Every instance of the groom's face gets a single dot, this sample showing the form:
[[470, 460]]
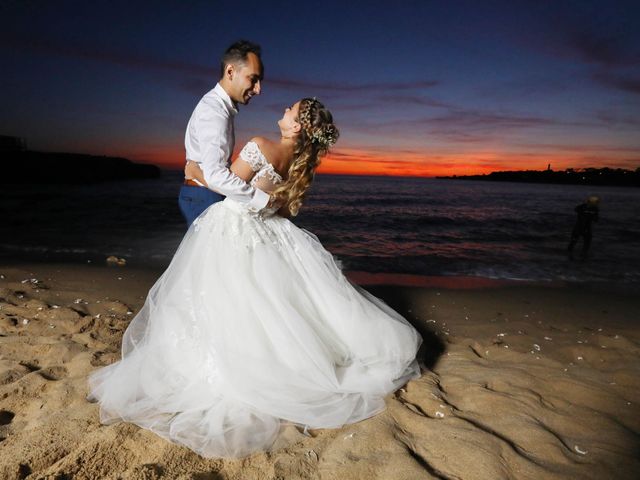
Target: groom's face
[[245, 80]]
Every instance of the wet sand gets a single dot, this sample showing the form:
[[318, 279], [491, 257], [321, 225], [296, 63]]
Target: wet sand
[[519, 382]]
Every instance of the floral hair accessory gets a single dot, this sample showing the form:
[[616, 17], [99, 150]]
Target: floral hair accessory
[[325, 135]]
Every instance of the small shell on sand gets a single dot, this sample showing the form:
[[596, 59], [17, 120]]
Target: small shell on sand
[[114, 261], [579, 450]]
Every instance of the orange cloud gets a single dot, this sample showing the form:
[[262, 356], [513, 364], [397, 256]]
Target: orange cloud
[[387, 162], [363, 162], [355, 162]]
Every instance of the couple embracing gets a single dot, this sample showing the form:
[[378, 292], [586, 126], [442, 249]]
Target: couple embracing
[[253, 326]]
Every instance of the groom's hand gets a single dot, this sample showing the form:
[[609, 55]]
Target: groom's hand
[[187, 170], [193, 171]]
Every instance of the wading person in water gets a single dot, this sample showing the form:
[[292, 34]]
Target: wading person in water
[[587, 213]]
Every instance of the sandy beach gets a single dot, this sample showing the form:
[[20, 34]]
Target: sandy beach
[[519, 382]]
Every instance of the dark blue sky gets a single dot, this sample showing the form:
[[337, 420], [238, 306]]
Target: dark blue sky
[[417, 87]]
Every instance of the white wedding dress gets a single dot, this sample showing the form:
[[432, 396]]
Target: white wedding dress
[[253, 326]]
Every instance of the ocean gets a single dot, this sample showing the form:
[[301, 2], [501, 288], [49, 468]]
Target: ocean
[[391, 225]]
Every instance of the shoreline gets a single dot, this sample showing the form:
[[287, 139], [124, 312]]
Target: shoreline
[[518, 381], [362, 278]]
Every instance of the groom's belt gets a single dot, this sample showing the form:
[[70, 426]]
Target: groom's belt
[[188, 181]]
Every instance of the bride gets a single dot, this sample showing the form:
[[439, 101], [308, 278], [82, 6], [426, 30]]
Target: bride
[[253, 326]]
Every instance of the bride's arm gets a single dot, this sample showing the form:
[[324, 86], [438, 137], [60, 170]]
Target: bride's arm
[[241, 168]]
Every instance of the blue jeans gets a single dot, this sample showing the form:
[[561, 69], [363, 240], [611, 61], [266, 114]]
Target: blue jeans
[[195, 200]]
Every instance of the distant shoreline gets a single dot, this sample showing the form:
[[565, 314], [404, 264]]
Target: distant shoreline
[[633, 179], [590, 176]]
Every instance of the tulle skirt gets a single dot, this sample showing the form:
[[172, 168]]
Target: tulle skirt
[[253, 326]]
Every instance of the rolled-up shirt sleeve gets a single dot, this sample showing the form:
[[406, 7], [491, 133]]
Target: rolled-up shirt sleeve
[[210, 128]]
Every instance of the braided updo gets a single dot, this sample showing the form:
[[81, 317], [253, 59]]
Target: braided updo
[[317, 134]]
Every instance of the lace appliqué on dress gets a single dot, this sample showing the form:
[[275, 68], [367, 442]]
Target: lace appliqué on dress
[[267, 171], [251, 154]]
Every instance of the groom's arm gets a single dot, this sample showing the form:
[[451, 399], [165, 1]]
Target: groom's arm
[[216, 174]]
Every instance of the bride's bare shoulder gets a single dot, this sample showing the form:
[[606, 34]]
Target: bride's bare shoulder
[[268, 148], [261, 142], [274, 153]]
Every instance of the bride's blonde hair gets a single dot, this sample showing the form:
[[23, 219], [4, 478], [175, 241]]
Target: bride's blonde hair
[[317, 134]]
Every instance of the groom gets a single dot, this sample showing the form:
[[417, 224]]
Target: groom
[[209, 139]]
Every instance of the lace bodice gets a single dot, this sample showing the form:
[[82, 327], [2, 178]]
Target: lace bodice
[[266, 177]]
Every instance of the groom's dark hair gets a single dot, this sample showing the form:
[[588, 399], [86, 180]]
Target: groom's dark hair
[[237, 53]]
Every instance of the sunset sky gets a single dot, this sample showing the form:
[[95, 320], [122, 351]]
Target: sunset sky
[[416, 87]]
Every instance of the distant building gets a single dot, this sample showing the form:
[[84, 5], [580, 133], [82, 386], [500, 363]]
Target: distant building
[[12, 144]]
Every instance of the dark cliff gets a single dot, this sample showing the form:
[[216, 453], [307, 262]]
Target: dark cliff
[[24, 167]]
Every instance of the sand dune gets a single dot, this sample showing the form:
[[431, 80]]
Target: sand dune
[[519, 383]]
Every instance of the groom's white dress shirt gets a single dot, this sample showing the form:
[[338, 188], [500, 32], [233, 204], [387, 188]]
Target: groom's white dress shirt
[[209, 141]]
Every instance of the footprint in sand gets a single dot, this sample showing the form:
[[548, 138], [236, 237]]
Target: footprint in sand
[[5, 419], [148, 471], [54, 373], [24, 470], [31, 366], [14, 374], [102, 358]]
